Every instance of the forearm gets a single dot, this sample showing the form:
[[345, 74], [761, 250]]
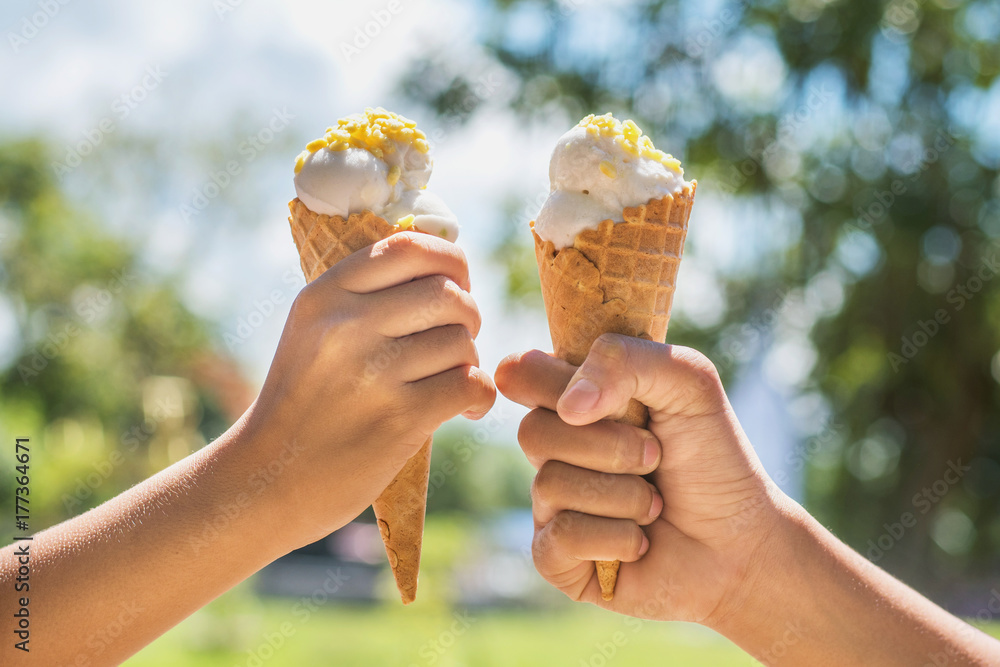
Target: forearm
[[814, 601], [108, 582]]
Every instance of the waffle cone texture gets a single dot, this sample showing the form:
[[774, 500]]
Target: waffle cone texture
[[323, 241], [618, 278]]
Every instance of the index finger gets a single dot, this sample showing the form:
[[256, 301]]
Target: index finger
[[398, 259], [534, 379]]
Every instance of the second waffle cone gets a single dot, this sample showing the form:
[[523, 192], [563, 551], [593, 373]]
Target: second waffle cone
[[323, 241], [618, 278]]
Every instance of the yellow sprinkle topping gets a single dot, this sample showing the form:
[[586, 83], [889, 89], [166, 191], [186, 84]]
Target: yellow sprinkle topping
[[631, 131], [300, 160], [394, 174], [376, 130], [405, 222], [630, 138], [315, 145]]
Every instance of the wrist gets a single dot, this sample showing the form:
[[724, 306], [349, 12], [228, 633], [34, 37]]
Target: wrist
[[251, 468], [773, 546]]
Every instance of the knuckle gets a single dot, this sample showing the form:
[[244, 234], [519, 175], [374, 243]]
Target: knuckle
[[305, 302], [700, 365], [545, 486], [475, 315], [623, 452], [633, 541], [541, 544], [641, 497], [453, 335], [403, 243], [706, 385], [506, 372], [560, 529], [460, 254], [527, 432], [468, 383], [437, 285], [611, 348], [471, 351]]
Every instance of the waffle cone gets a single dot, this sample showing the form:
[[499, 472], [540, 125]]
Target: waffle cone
[[323, 241], [618, 278]]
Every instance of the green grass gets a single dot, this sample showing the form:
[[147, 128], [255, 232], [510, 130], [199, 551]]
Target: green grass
[[242, 630], [229, 633]]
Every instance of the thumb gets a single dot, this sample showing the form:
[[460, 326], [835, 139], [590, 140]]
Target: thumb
[[665, 378]]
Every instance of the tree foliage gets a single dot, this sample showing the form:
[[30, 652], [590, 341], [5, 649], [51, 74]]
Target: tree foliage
[[856, 145], [90, 334]]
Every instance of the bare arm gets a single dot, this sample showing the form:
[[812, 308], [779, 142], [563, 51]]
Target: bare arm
[[815, 601], [329, 431], [708, 538], [106, 583]]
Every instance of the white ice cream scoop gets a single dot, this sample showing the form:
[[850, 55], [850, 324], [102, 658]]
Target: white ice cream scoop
[[599, 168], [377, 161]]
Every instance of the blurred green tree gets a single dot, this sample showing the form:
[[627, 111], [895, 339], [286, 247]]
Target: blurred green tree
[[104, 368], [471, 474], [856, 145]]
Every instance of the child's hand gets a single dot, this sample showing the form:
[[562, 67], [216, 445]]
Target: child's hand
[[375, 355], [706, 513]]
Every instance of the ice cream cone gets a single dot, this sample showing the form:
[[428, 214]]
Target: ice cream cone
[[323, 241], [618, 278]]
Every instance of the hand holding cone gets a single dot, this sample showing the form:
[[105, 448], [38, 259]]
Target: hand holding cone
[[618, 278], [323, 241]]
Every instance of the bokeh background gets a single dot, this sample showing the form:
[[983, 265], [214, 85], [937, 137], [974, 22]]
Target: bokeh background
[[841, 272]]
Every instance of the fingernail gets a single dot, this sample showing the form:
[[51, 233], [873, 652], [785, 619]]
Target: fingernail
[[582, 396], [656, 507], [651, 452], [644, 547]]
